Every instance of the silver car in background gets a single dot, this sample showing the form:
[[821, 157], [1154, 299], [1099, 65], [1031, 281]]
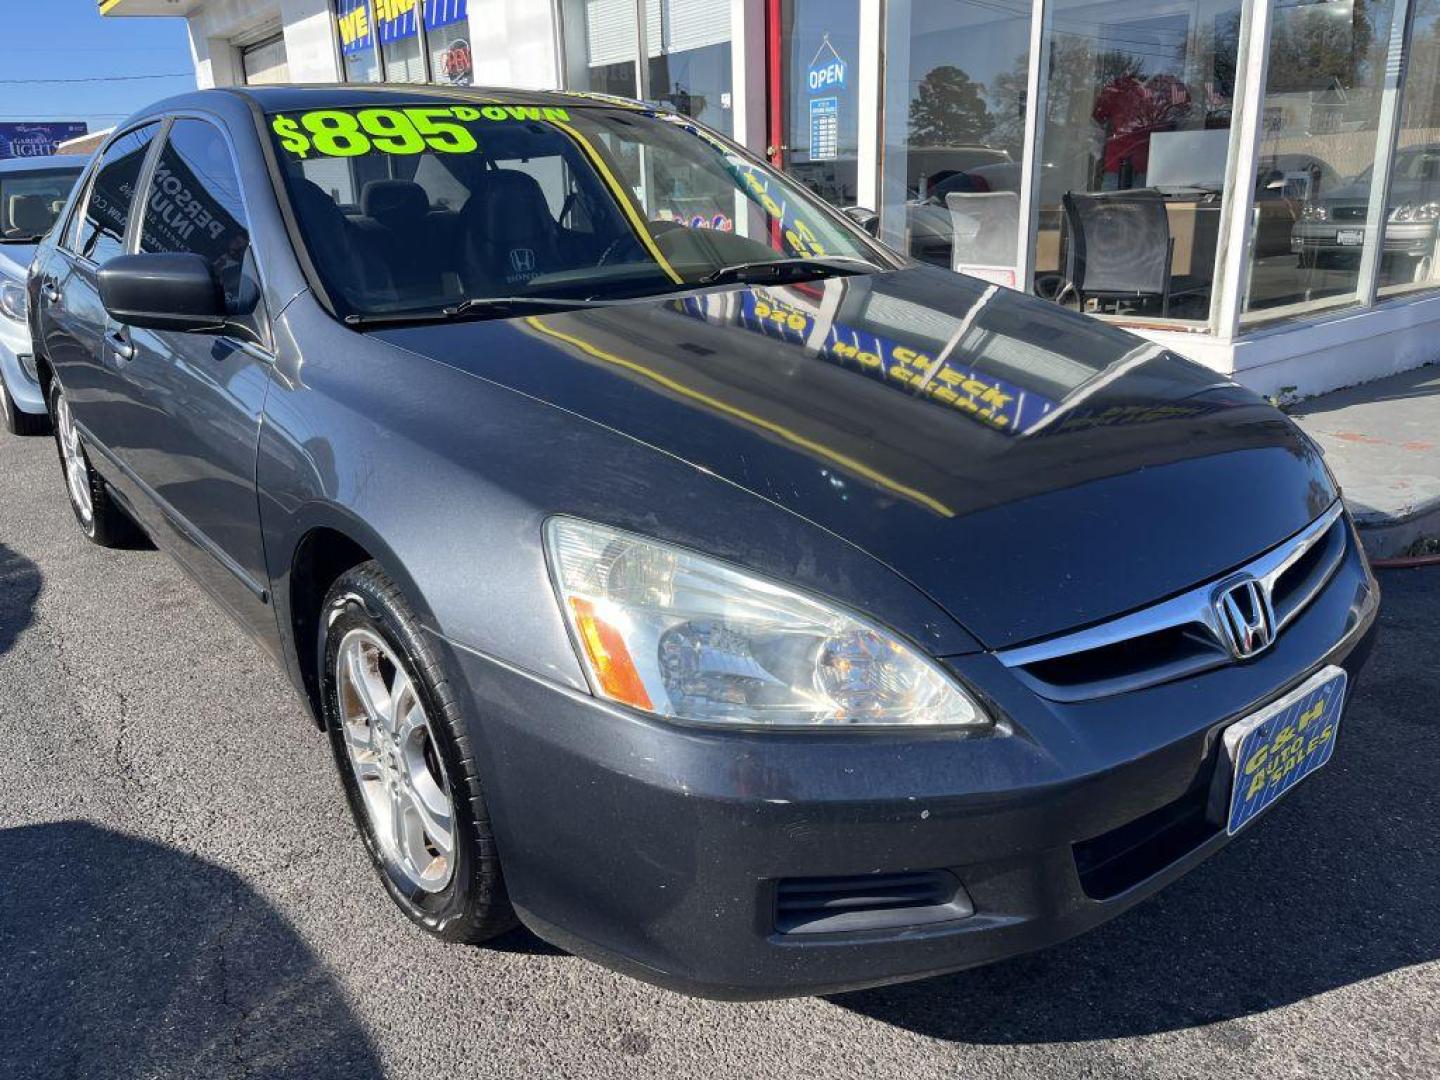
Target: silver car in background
[[32, 194]]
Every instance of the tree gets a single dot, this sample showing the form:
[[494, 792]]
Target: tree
[[949, 110], [1312, 50]]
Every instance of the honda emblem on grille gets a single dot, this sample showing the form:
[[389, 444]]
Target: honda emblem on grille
[[1247, 619]]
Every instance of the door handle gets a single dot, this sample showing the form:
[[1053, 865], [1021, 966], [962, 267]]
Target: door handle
[[120, 342]]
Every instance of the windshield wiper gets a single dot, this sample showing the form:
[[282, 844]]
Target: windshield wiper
[[497, 307], [773, 269], [22, 239]]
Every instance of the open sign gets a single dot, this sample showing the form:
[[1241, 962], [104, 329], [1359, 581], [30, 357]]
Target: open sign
[[827, 76]]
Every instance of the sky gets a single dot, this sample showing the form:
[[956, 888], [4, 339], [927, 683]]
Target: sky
[[68, 39]]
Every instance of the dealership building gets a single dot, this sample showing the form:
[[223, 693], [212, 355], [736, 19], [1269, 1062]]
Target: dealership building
[[1253, 183]]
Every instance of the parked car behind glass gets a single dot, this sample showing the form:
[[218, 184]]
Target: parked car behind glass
[[32, 192], [672, 567], [1333, 226]]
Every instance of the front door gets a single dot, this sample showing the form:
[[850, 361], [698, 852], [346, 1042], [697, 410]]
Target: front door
[[812, 65], [73, 323], [198, 398]]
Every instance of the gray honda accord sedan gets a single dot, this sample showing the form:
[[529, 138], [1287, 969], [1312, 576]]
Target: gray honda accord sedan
[[672, 568]]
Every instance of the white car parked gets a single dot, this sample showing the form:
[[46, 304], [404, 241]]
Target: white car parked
[[32, 194]]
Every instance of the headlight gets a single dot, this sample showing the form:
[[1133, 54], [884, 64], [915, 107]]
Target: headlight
[[12, 300], [1416, 212], [1314, 213], [680, 635]]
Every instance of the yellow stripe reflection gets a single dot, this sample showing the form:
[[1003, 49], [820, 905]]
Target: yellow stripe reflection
[[789, 435], [642, 233]]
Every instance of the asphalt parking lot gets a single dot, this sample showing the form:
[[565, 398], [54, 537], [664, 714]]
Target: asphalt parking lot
[[183, 895]]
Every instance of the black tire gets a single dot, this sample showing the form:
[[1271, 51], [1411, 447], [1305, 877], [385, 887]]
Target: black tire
[[473, 905], [106, 523], [17, 422]]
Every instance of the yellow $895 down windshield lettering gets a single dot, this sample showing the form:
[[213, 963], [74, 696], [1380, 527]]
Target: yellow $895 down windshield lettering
[[338, 133], [345, 133]]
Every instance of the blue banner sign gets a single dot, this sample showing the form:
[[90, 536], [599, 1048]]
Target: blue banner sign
[[396, 19], [440, 13], [353, 17], [36, 140]]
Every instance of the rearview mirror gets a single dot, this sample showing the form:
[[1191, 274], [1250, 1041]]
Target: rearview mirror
[[164, 292], [866, 218]]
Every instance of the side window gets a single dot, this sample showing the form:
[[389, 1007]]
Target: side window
[[194, 206], [101, 234]]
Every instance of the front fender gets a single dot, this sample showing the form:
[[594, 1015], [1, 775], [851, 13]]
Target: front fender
[[446, 479]]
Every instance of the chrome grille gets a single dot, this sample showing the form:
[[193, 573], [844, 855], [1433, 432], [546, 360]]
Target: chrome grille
[[1349, 213], [1184, 635]]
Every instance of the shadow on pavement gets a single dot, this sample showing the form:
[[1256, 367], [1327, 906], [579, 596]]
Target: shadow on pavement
[[523, 942], [125, 959], [1339, 884], [20, 581]]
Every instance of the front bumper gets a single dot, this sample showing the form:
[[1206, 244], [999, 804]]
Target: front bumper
[[1415, 238], [24, 390], [661, 850]]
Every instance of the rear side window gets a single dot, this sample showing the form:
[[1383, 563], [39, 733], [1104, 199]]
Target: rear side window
[[194, 206], [102, 227]]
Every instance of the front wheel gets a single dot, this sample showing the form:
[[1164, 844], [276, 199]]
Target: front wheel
[[406, 764]]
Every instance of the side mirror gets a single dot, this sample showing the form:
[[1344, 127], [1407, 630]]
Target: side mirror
[[164, 292], [867, 219]]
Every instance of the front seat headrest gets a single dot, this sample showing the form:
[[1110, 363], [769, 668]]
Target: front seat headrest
[[396, 204], [30, 214]]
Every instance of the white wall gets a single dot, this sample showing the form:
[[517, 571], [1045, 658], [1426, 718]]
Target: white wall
[[1301, 358], [309, 38], [513, 43]]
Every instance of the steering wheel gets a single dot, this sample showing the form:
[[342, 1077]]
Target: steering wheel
[[624, 240], [620, 243]]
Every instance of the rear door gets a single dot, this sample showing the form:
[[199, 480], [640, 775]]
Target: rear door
[[72, 320], [195, 400]]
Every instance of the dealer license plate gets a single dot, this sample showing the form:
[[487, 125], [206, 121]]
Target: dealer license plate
[[1274, 749], [1350, 237]]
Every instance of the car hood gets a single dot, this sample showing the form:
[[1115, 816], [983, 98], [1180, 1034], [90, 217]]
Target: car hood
[[15, 260], [1358, 192], [1030, 469]]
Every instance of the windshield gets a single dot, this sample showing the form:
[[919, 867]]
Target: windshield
[[31, 201], [420, 207]]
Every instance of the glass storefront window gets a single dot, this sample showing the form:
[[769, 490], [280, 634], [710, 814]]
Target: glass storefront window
[[820, 137], [601, 39], [1134, 142], [688, 61], [958, 68], [689, 46], [357, 41], [1319, 122], [265, 62], [447, 35], [1412, 208], [398, 27]]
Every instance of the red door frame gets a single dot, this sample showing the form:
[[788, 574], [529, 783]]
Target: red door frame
[[774, 86]]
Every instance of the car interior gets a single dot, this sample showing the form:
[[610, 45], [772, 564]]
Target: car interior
[[393, 232], [30, 203]]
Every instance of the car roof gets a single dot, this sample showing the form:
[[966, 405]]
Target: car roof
[[299, 97], [40, 164]]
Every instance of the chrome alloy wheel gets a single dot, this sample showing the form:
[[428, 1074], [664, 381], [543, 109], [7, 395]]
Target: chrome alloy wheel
[[77, 472], [395, 761]]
